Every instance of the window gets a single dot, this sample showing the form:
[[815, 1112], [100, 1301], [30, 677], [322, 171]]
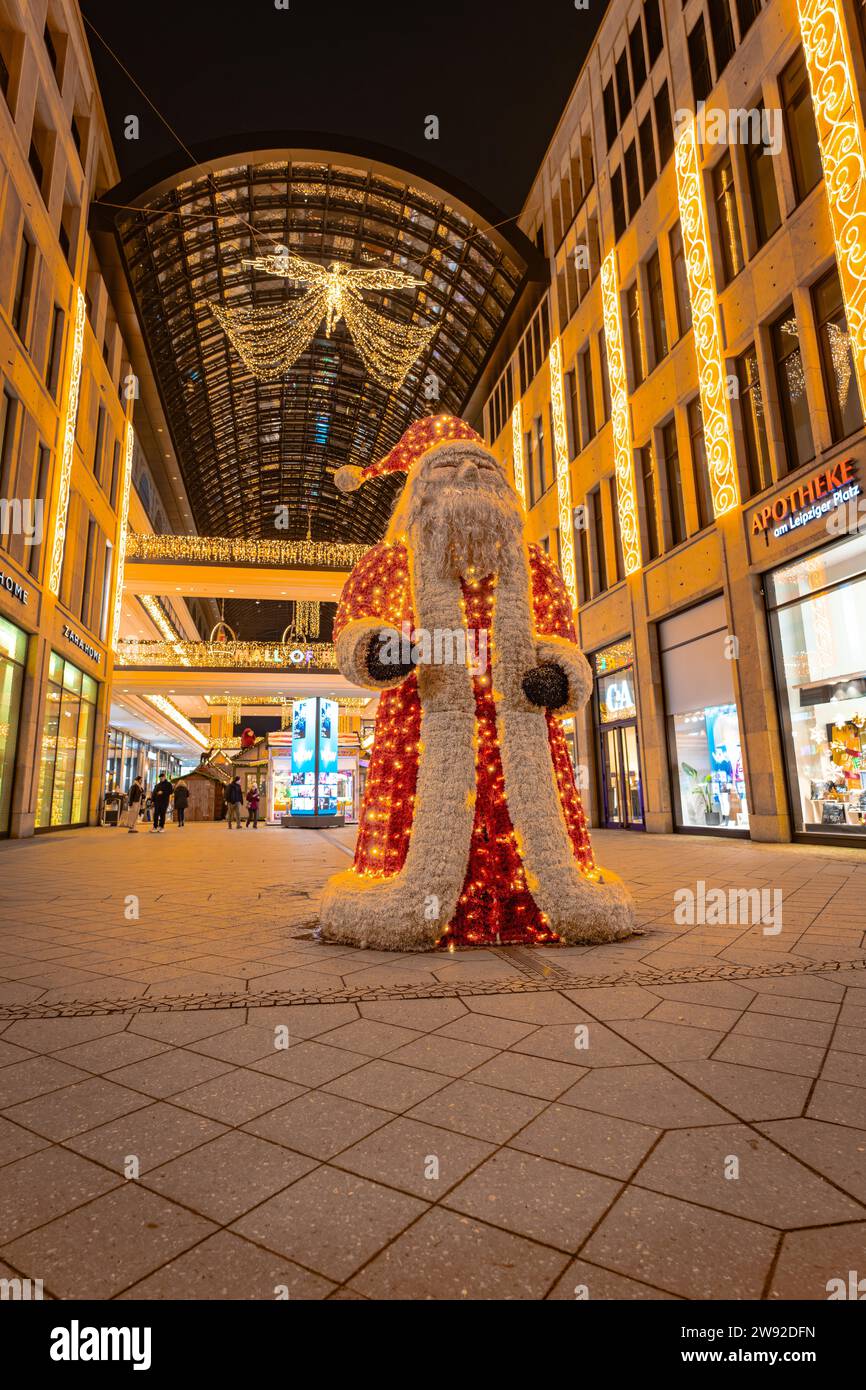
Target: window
[[791, 385], [572, 414], [67, 746], [673, 483], [647, 152], [617, 537], [762, 184], [727, 219], [617, 198], [610, 125], [747, 13], [638, 61], [605, 376], [840, 381], [754, 422], [800, 131], [530, 467], [632, 181], [652, 20], [535, 453], [635, 334], [588, 394], [664, 125], [23, 287], [13, 657], [7, 453], [658, 327], [623, 87], [40, 499], [597, 518], [581, 545], [99, 444], [55, 351], [649, 502], [51, 50], [699, 462], [723, 33], [681, 279], [699, 62]]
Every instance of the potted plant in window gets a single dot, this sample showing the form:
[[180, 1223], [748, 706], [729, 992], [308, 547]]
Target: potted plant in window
[[700, 795]]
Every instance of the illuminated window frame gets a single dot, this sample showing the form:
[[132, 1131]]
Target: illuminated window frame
[[563, 474], [626, 493], [66, 459], [519, 461], [840, 137], [718, 431]]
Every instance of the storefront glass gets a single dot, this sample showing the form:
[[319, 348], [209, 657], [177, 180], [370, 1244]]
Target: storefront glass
[[13, 653], [817, 608], [67, 746], [703, 725]]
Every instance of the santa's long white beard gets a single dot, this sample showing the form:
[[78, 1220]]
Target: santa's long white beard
[[466, 528]]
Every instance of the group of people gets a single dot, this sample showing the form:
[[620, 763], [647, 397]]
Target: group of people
[[159, 800], [234, 802]]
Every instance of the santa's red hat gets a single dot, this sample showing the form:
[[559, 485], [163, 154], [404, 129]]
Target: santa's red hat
[[426, 433]]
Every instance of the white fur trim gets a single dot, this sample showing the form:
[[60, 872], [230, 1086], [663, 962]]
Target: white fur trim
[[571, 660], [352, 647]]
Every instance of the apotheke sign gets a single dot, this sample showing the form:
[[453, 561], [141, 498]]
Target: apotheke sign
[[809, 501], [80, 643]]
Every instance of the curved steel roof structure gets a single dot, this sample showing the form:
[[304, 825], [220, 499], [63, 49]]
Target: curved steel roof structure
[[248, 448]]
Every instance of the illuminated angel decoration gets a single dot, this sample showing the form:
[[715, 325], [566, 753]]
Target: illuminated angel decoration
[[271, 338]]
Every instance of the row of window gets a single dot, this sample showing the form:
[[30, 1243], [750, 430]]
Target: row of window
[[569, 193], [534, 346], [501, 404], [640, 53], [631, 181], [725, 42]]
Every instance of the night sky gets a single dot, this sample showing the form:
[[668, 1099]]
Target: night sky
[[496, 74]]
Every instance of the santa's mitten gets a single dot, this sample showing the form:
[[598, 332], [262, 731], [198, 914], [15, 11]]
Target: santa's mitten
[[384, 664], [372, 654], [546, 685], [572, 668]]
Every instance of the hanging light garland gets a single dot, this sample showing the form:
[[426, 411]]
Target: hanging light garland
[[270, 339]]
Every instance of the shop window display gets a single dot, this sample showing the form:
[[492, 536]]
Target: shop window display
[[710, 768], [13, 653], [817, 608]]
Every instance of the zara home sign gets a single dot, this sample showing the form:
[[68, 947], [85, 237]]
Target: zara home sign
[[10, 585], [80, 643], [809, 501]]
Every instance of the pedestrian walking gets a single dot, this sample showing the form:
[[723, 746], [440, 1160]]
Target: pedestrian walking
[[253, 807], [133, 809], [181, 801], [162, 794], [234, 801]]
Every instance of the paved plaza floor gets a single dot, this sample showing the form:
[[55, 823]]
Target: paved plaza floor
[[200, 1101]]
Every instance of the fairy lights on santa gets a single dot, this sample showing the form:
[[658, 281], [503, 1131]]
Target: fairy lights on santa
[[472, 829]]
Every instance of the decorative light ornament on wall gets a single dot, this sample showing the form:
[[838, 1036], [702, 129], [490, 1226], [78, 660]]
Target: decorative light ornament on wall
[[123, 526], [563, 473], [177, 717], [715, 407], [227, 656], [241, 550], [626, 492], [66, 458], [308, 617], [517, 444], [233, 710], [269, 339], [826, 47]]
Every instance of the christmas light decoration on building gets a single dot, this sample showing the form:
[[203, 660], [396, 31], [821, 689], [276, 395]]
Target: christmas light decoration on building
[[715, 408], [349, 704], [123, 525], [227, 656], [240, 550], [626, 491], [68, 453], [233, 710], [177, 717], [270, 339], [308, 617], [158, 616], [839, 121], [563, 472], [517, 444]]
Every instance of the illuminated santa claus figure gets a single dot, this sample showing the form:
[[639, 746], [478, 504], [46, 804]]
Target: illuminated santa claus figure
[[472, 830]]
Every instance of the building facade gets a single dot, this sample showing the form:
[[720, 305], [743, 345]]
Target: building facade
[[68, 390], [683, 413]]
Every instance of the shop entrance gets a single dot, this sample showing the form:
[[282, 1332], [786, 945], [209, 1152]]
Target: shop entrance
[[617, 740]]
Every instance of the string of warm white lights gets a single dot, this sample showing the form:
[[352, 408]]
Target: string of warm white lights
[[349, 704], [626, 492], [61, 509], [123, 526], [177, 717], [230, 656], [517, 445], [269, 339], [238, 550], [308, 617], [826, 48], [715, 407], [563, 473]]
